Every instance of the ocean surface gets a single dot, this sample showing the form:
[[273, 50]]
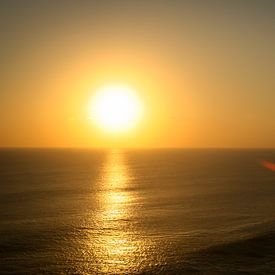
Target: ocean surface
[[69, 211]]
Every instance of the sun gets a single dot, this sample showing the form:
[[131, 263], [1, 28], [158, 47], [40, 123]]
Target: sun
[[116, 108]]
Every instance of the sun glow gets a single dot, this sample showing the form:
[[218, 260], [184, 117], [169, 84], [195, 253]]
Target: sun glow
[[116, 108]]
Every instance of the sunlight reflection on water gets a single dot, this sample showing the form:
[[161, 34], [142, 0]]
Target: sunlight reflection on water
[[116, 243], [113, 239]]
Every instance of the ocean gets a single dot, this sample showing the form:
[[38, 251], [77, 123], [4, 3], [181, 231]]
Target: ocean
[[158, 211]]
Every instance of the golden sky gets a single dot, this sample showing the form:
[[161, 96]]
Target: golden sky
[[204, 71]]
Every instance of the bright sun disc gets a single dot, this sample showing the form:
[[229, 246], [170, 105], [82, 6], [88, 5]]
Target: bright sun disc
[[116, 108]]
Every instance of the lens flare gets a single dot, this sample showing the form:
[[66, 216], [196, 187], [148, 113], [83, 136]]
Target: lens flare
[[268, 165]]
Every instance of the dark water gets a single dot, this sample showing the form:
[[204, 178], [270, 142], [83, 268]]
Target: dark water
[[136, 211]]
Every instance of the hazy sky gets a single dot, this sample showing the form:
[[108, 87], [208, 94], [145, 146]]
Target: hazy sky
[[204, 70]]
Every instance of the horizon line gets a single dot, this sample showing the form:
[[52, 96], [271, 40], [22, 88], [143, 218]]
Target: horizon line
[[137, 148]]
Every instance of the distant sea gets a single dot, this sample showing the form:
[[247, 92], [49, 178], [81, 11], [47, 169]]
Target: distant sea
[[70, 211]]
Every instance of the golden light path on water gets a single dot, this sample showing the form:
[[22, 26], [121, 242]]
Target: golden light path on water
[[115, 244], [115, 213], [113, 237]]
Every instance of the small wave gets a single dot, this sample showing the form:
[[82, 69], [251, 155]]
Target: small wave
[[253, 255]]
